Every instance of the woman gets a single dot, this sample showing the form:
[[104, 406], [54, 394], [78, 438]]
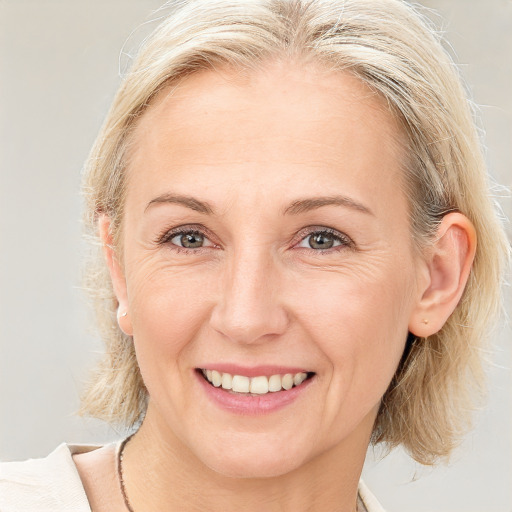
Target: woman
[[299, 258]]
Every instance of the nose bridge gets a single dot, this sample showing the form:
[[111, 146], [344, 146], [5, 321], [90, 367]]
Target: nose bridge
[[249, 308]]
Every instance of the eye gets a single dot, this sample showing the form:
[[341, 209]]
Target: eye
[[325, 239], [189, 240], [185, 238]]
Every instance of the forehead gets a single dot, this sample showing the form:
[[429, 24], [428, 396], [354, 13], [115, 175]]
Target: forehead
[[307, 90], [284, 122]]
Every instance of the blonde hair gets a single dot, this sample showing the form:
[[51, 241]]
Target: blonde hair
[[392, 49]]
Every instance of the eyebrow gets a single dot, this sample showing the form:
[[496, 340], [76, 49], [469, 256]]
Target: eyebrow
[[312, 203], [295, 208], [187, 201]]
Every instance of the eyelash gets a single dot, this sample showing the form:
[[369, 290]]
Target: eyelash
[[168, 235], [345, 241]]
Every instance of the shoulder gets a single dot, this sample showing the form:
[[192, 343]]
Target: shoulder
[[48, 484]]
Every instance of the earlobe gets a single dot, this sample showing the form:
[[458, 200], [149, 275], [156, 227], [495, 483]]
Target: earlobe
[[448, 263], [116, 274]]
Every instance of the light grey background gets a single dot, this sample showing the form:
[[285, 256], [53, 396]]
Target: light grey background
[[59, 68]]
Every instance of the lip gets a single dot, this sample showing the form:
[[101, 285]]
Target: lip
[[250, 404]]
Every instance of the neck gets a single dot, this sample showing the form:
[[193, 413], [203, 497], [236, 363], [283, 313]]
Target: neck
[[160, 473]]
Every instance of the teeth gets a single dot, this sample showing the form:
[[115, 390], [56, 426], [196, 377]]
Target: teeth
[[287, 381], [216, 378], [260, 385], [299, 378], [227, 381], [274, 383], [241, 384]]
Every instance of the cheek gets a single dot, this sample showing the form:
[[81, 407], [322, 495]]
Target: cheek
[[168, 309], [360, 325]]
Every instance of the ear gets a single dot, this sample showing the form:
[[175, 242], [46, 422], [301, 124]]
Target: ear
[[448, 264], [116, 274]]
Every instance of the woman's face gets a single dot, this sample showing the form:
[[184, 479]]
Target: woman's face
[[266, 233]]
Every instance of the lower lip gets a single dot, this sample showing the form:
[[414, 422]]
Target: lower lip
[[252, 404]]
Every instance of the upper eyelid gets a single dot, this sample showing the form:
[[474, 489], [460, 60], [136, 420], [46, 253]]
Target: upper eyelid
[[311, 230], [170, 233]]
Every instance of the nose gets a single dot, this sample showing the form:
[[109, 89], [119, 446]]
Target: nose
[[249, 309]]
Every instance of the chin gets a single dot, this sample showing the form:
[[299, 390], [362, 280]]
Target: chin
[[236, 467], [250, 460]]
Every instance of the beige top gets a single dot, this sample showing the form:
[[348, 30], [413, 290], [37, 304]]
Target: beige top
[[53, 484]]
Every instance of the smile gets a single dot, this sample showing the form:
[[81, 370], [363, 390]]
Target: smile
[[260, 385]]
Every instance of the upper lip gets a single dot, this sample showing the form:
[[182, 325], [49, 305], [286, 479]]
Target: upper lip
[[253, 371]]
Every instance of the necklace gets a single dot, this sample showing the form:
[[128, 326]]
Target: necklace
[[120, 473]]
